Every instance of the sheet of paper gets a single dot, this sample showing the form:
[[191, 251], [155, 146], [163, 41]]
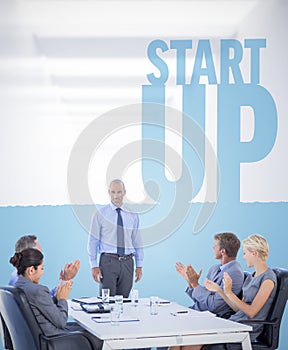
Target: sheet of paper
[[107, 319], [93, 300]]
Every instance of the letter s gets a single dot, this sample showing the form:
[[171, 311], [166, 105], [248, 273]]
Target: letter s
[[158, 62]]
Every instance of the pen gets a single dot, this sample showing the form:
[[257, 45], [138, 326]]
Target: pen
[[179, 312]]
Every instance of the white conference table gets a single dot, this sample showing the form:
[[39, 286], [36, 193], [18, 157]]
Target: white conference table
[[164, 329]]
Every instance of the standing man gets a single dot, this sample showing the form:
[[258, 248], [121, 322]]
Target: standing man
[[226, 246], [113, 242]]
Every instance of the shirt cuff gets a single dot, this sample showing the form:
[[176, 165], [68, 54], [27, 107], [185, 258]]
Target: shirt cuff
[[94, 263], [197, 291], [138, 262]]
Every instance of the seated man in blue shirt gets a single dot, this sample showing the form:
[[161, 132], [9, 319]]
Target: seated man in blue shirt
[[226, 246], [30, 241]]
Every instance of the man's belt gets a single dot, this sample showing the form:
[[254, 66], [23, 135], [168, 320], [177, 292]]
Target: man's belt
[[119, 257]]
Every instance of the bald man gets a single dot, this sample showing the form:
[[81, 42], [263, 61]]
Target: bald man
[[114, 243]]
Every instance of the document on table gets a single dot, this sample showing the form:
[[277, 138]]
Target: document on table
[[93, 300], [107, 319]]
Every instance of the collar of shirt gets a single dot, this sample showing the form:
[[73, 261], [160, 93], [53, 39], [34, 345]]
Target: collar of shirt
[[113, 207], [224, 266]]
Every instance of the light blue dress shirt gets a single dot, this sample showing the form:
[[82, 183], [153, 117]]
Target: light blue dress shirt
[[103, 236]]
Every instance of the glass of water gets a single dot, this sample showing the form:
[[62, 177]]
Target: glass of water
[[135, 296], [105, 295], [153, 305], [115, 314], [119, 301]]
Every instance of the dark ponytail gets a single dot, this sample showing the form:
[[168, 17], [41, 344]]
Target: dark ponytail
[[26, 258]]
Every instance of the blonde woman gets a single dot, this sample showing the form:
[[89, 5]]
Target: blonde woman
[[258, 289]]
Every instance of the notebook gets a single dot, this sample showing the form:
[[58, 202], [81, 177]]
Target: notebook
[[95, 307]]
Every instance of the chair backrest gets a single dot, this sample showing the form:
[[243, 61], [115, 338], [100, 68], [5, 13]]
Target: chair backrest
[[19, 319], [5, 335], [270, 334], [246, 274]]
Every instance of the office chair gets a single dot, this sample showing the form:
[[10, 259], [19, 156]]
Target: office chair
[[22, 331], [4, 334], [269, 338]]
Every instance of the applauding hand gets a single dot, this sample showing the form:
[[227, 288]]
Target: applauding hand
[[212, 286], [70, 270], [181, 269], [227, 281], [193, 276], [63, 289]]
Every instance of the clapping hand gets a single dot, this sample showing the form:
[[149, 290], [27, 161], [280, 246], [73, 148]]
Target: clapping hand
[[211, 286], [193, 276], [63, 289], [227, 281], [70, 270], [181, 269]]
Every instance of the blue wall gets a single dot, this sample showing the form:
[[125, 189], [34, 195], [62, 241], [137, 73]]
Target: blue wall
[[63, 240]]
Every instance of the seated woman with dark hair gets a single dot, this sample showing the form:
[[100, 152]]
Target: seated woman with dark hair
[[258, 290], [51, 313]]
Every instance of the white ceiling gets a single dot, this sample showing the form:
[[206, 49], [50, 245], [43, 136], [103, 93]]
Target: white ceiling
[[91, 54], [133, 18]]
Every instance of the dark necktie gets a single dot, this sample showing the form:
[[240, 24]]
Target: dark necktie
[[120, 234], [217, 273]]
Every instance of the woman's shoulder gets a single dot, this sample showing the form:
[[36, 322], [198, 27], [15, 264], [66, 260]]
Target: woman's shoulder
[[270, 274], [25, 283]]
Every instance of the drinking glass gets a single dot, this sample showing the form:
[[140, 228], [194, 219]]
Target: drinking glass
[[153, 305], [119, 301], [134, 296], [105, 295], [115, 314]]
